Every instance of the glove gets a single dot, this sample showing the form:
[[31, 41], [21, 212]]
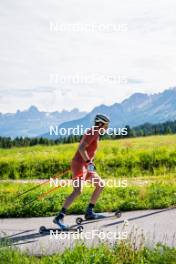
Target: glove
[[91, 167]]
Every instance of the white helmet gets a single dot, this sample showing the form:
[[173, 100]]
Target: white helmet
[[102, 119]]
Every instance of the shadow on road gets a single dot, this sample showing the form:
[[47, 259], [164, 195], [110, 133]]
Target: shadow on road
[[15, 238], [141, 216]]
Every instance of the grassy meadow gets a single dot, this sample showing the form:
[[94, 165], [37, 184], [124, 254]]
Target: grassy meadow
[[160, 194], [123, 253], [145, 156], [148, 165]]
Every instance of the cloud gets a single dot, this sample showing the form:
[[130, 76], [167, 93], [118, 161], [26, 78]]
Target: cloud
[[25, 92], [29, 51], [134, 81]]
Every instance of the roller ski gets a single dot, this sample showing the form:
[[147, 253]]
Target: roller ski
[[58, 220], [45, 230], [94, 217]]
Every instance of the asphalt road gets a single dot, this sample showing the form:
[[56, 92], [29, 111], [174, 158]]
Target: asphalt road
[[153, 225]]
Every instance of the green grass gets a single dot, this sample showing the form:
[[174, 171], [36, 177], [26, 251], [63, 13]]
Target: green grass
[[123, 253], [160, 194], [155, 155]]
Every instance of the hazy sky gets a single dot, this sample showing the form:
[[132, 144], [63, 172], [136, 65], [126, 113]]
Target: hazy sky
[[131, 48]]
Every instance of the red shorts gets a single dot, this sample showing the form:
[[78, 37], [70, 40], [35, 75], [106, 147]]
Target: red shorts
[[79, 170]]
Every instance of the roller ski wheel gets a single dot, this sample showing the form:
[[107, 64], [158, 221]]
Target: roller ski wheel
[[80, 220], [118, 214], [44, 230]]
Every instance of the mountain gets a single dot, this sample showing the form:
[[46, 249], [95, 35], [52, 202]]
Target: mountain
[[138, 109], [32, 122]]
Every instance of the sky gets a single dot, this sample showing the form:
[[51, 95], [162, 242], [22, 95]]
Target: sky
[[59, 54]]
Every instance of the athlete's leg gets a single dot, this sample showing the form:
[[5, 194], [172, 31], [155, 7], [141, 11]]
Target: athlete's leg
[[77, 172], [77, 189], [96, 181]]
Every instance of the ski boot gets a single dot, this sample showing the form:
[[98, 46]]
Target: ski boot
[[58, 220]]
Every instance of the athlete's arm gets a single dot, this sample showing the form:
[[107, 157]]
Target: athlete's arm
[[82, 150]]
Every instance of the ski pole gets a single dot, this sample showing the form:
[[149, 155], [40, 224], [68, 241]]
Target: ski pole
[[41, 196], [39, 185], [53, 189]]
